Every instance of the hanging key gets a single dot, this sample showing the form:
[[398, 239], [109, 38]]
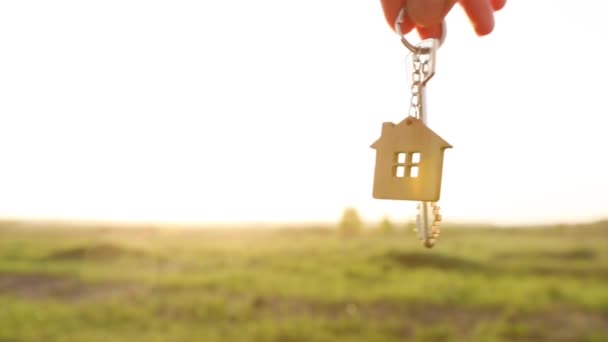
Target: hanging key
[[428, 217], [409, 155]]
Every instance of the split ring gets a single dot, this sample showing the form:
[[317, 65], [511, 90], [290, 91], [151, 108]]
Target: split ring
[[410, 46]]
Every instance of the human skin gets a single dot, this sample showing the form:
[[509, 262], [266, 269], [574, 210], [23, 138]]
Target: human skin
[[427, 15]]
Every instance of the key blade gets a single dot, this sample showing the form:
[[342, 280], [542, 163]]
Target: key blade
[[424, 221], [427, 225]]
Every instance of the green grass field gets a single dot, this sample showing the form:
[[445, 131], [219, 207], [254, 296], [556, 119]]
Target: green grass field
[[155, 284]]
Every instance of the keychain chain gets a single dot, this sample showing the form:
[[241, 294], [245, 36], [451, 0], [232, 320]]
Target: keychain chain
[[420, 74], [416, 100]]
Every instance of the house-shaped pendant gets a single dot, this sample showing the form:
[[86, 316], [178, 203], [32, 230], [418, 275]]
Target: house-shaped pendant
[[409, 162]]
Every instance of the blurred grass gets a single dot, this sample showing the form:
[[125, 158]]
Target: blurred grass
[[108, 283]]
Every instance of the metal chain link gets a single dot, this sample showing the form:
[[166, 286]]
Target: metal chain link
[[421, 69], [416, 100]]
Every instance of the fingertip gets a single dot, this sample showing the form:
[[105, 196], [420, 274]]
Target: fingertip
[[497, 5], [430, 32], [407, 25], [391, 10], [481, 15], [485, 29]]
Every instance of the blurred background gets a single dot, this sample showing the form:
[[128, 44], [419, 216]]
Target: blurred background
[[141, 140]]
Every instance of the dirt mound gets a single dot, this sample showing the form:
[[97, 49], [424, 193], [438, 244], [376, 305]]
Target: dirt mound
[[428, 260], [43, 286], [573, 254], [97, 252]]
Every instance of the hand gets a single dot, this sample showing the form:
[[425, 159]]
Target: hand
[[427, 15]]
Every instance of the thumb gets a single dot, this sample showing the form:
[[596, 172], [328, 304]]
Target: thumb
[[428, 13]]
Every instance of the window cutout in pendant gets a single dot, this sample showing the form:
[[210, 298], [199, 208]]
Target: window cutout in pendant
[[414, 171], [416, 157], [400, 157], [400, 171]]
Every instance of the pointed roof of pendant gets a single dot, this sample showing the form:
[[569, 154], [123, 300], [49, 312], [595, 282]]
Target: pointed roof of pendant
[[409, 129]]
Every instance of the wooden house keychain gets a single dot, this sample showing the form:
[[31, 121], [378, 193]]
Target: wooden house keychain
[[409, 155]]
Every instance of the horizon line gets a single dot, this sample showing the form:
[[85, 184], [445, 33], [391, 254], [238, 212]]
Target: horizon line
[[262, 223]]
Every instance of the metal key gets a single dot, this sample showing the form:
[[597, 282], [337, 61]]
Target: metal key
[[428, 218], [423, 61]]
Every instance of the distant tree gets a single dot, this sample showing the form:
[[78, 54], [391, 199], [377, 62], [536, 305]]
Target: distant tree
[[386, 226], [350, 223]]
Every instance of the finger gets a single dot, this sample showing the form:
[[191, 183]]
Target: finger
[[428, 13], [430, 32], [481, 14], [391, 10], [498, 4]]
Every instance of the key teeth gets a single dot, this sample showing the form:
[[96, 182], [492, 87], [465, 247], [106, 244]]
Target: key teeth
[[436, 222], [430, 241]]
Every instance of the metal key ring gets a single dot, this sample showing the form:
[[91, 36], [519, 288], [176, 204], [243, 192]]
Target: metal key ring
[[410, 46]]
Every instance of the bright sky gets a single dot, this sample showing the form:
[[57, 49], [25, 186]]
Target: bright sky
[[264, 110]]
